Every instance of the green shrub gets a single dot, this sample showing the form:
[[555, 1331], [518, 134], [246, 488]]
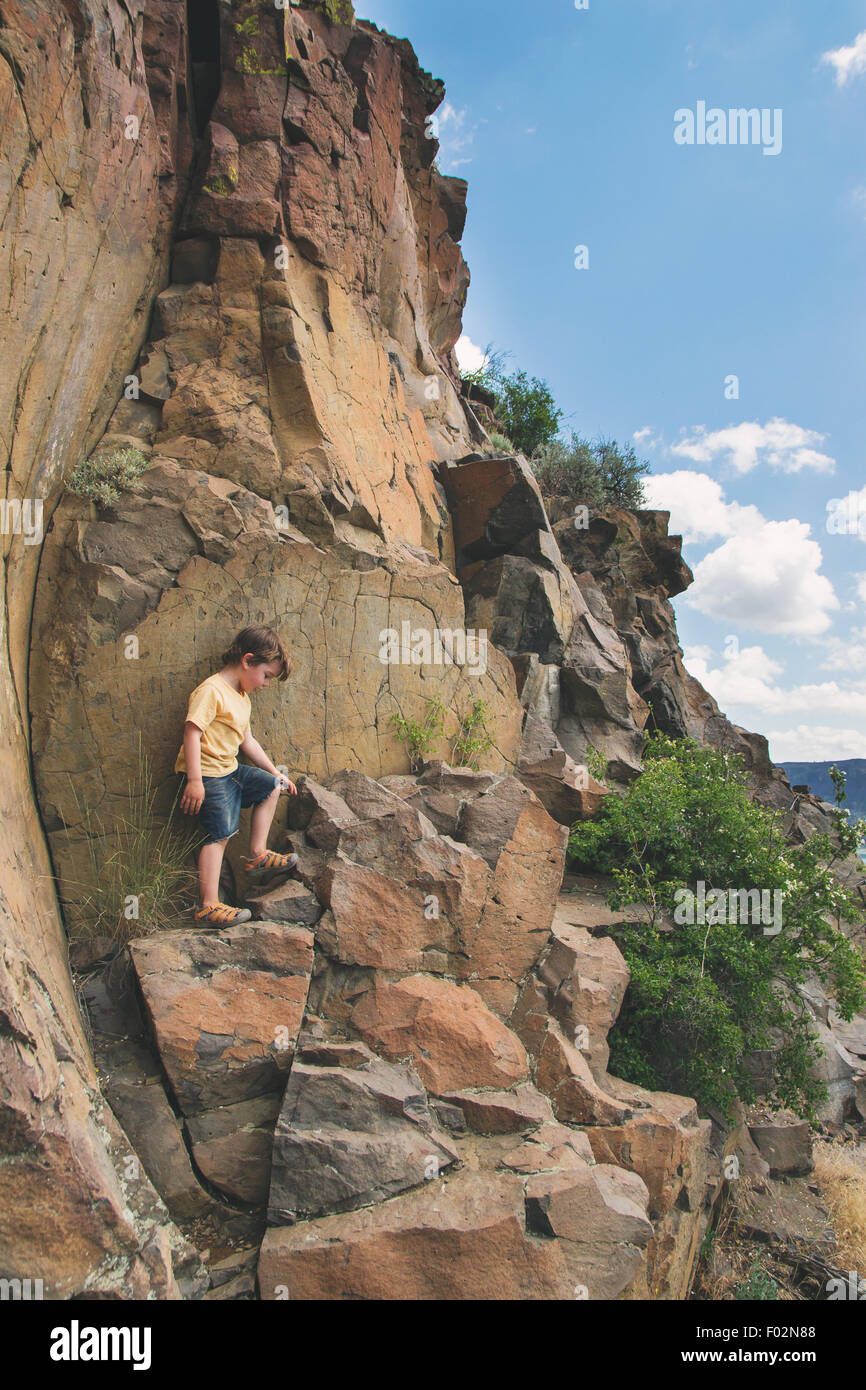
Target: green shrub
[[524, 405], [758, 1286], [596, 763], [103, 477], [472, 739], [501, 441], [420, 739], [527, 411], [704, 996], [598, 474]]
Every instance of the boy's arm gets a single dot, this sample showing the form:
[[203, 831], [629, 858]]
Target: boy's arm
[[193, 792], [252, 749]]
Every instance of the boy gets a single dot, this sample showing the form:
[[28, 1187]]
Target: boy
[[217, 728]]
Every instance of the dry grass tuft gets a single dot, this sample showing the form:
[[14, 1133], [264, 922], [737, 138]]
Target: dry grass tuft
[[840, 1171]]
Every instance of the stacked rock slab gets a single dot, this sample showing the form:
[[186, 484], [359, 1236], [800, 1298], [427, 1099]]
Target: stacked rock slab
[[226, 1008], [388, 1115], [427, 1130]]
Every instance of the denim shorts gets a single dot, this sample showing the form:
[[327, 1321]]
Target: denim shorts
[[224, 797]]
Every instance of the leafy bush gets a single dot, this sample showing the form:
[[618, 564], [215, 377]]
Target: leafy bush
[[598, 473], [527, 411], [702, 997], [524, 405], [102, 477], [596, 763]]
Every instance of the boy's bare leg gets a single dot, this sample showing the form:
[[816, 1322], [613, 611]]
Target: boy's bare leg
[[260, 823], [210, 862]]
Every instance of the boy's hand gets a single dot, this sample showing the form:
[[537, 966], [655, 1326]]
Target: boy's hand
[[193, 796], [286, 785]]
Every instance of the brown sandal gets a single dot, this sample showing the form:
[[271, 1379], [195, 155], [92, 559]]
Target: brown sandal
[[220, 915], [270, 863]]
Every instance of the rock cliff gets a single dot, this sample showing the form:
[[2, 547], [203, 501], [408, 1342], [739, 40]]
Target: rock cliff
[[227, 247]]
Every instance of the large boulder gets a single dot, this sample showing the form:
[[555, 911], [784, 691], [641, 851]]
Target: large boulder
[[226, 1007], [232, 1146], [783, 1140], [350, 1137], [494, 502], [567, 790], [454, 1040]]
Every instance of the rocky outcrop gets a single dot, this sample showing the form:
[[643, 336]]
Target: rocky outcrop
[[586, 1184], [393, 1081], [94, 152], [274, 492], [280, 1081]]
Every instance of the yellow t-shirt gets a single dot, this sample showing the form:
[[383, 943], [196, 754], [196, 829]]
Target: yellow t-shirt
[[223, 715]]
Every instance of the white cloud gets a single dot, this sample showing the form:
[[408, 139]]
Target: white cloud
[[782, 445], [848, 61], [766, 573], [846, 653], [745, 678], [766, 578], [449, 127], [469, 356], [816, 743], [746, 682], [846, 516], [696, 502]]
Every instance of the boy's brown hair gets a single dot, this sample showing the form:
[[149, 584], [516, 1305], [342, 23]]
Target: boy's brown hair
[[263, 644]]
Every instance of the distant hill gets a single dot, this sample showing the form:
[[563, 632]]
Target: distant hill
[[817, 776]]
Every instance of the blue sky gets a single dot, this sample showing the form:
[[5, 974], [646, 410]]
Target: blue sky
[[706, 261]]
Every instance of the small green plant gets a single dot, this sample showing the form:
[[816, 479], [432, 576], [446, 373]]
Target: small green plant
[[249, 63], [501, 441], [223, 185], [758, 1286], [139, 876], [421, 738], [103, 477], [596, 763], [472, 739], [249, 26], [337, 11]]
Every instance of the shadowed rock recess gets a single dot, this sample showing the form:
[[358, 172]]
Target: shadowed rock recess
[[225, 244]]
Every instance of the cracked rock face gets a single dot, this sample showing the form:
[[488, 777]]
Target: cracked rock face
[[296, 393], [404, 1056], [86, 217]]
